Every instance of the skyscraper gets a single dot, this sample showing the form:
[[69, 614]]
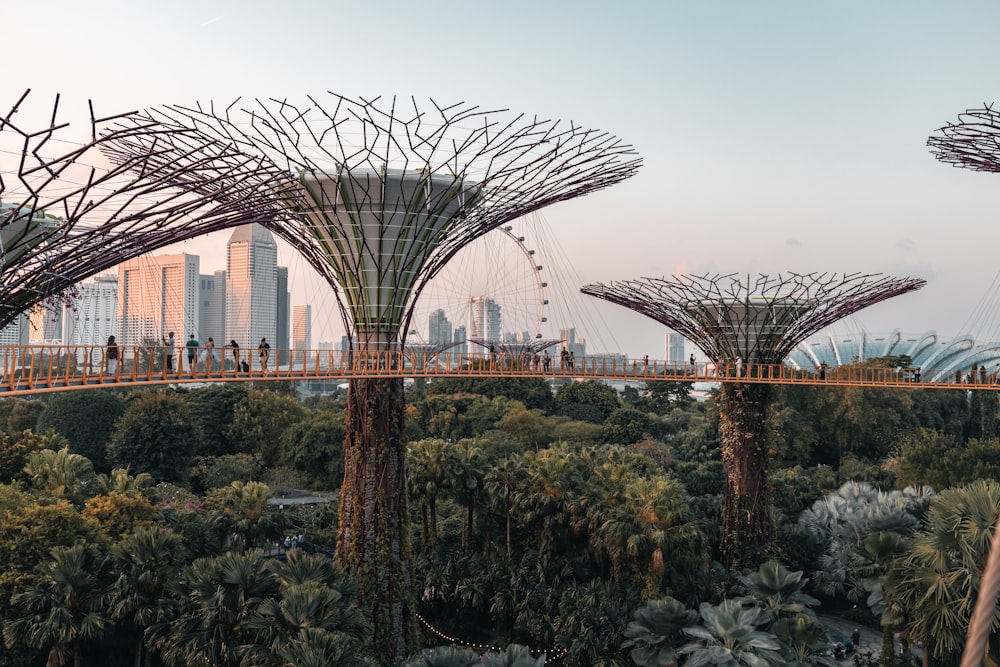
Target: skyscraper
[[212, 315], [47, 323], [158, 294], [251, 293], [484, 318], [675, 348], [302, 326], [96, 314], [282, 311], [438, 328], [459, 337]]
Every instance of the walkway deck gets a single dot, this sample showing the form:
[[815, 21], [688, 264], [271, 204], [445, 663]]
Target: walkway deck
[[37, 369]]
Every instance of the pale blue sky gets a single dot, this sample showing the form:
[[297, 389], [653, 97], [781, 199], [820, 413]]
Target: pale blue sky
[[776, 135]]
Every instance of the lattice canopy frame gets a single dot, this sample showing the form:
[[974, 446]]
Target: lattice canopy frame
[[377, 194], [759, 319], [971, 143], [65, 214]]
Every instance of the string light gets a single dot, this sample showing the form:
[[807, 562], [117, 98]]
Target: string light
[[551, 655]]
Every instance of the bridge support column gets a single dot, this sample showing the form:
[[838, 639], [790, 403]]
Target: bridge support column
[[373, 540], [746, 517]]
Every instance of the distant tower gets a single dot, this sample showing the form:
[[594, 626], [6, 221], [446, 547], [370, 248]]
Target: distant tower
[[438, 328], [282, 314], [484, 318], [674, 348], [302, 327], [212, 316], [459, 336], [740, 322], [251, 292], [96, 314], [157, 295]]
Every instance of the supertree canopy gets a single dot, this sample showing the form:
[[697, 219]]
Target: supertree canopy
[[377, 195], [971, 143], [757, 320]]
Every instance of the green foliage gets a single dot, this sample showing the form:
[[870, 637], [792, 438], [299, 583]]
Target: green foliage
[[931, 458], [118, 514], [730, 635], [260, 421], [587, 401], [66, 607], [530, 428], [315, 446], [656, 632], [625, 426], [212, 409], [212, 472], [61, 473], [27, 534], [576, 432], [241, 512], [155, 435], [86, 419], [534, 393], [14, 452], [19, 414]]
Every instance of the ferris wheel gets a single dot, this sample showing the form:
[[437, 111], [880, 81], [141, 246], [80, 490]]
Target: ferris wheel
[[498, 267]]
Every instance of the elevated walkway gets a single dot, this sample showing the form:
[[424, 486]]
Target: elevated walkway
[[34, 369]]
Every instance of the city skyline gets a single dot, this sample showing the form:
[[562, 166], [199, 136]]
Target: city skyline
[[776, 136]]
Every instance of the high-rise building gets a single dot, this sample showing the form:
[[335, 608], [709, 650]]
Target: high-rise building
[[251, 294], [570, 342], [484, 318], [212, 315], [95, 316], [675, 348], [438, 328], [16, 333], [158, 294], [460, 338], [282, 313], [302, 326], [47, 323]]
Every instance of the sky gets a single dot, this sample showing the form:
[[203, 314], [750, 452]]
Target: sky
[[776, 136]]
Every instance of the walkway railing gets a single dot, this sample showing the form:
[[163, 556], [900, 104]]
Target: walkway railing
[[42, 368]]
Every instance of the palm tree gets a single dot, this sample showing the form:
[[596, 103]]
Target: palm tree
[[242, 513], [730, 636], [444, 656], [120, 481], [805, 642], [65, 607], [220, 595], [657, 631], [778, 592], [61, 473], [147, 562], [501, 484], [426, 475], [466, 462], [514, 655], [936, 583]]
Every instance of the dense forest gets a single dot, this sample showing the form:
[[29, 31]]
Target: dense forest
[[148, 527]]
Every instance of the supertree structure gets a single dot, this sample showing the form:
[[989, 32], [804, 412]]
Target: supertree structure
[[377, 195], [756, 320], [971, 143], [65, 214]]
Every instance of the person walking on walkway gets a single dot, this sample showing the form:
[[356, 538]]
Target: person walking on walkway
[[209, 354], [264, 350], [168, 351], [112, 356], [236, 355], [192, 350]]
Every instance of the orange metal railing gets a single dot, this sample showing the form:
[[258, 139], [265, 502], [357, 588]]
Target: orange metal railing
[[42, 368]]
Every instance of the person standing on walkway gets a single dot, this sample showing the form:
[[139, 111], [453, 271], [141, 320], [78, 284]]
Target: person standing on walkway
[[209, 354], [236, 355], [168, 351], [112, 356], [192, 350], [264, 350]]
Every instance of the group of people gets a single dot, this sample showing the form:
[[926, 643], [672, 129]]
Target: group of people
[[208, 354]]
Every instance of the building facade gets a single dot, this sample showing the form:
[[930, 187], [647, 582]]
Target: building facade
[[156, 295], [251, 287], [484, 318]]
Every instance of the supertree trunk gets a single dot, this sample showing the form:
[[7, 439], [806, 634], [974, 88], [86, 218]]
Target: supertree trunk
[[746, 519], [374, 542]]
